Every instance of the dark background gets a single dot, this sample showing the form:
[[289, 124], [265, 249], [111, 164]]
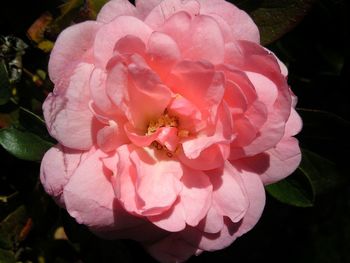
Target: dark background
[[317, 54]]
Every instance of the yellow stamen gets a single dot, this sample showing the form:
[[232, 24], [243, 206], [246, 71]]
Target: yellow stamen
[[163, 121], [183, 133]]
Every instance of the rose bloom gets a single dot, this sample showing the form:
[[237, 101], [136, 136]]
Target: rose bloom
[[170, 119]]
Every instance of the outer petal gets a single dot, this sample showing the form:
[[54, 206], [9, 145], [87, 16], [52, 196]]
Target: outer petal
[[277, 104], [167, 8], [69, 50], [144, 7], [57, 166], [115, 8], [276, 163], [213, 222], [173, 220], [241, 24], [89, 198], [293, 125], [67, 116], [210, 242], [256, 194]]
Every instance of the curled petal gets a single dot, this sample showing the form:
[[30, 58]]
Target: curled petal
[[195, 195], [89, 189], [167, 8], [111, 33], [241, 24], [172, 220], [158, 184], [115, 8], [229, 196], [71, 49], [276, 163], [70, 114], [57, 166]]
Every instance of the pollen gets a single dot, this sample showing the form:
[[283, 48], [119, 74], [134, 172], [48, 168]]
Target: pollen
[[164, 120]]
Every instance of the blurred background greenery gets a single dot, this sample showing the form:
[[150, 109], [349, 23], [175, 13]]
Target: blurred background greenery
[[307, 216]]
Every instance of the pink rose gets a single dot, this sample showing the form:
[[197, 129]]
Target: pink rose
[[170, 119]]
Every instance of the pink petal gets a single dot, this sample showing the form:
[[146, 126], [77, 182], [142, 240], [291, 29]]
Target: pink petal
[[146, 89], [210, 158], [70, 114], [130, 45], [221, 135], [177, 27], [204, 40], [57, 166], [167, 8], [144, 7], [90, 199], [111, 33], [199, 83], [210, 242], [98, 91], [163, 52], [111, 137], [225, 28], [133, 226], [241, 24], [158, 184], [229, 197], [125, 179], [195, 195], [69, 50], [213, 222], [276, 163], [138, 137], [273, 129], [256, 195], [293, 125], [115, 8], [172, 220], [235, 97], [190, 118], [166, 136], [116, 86]]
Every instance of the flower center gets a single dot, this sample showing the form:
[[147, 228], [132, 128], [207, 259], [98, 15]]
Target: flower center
[[163, 121]]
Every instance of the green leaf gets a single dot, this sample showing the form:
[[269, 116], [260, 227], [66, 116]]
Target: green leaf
[[33, 123], [322, 174], [294, 190], [11, 227], [69, 11], [7, 256], [315, 175], [95, 6], [5, 88], [277, 17], [24, 145]]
